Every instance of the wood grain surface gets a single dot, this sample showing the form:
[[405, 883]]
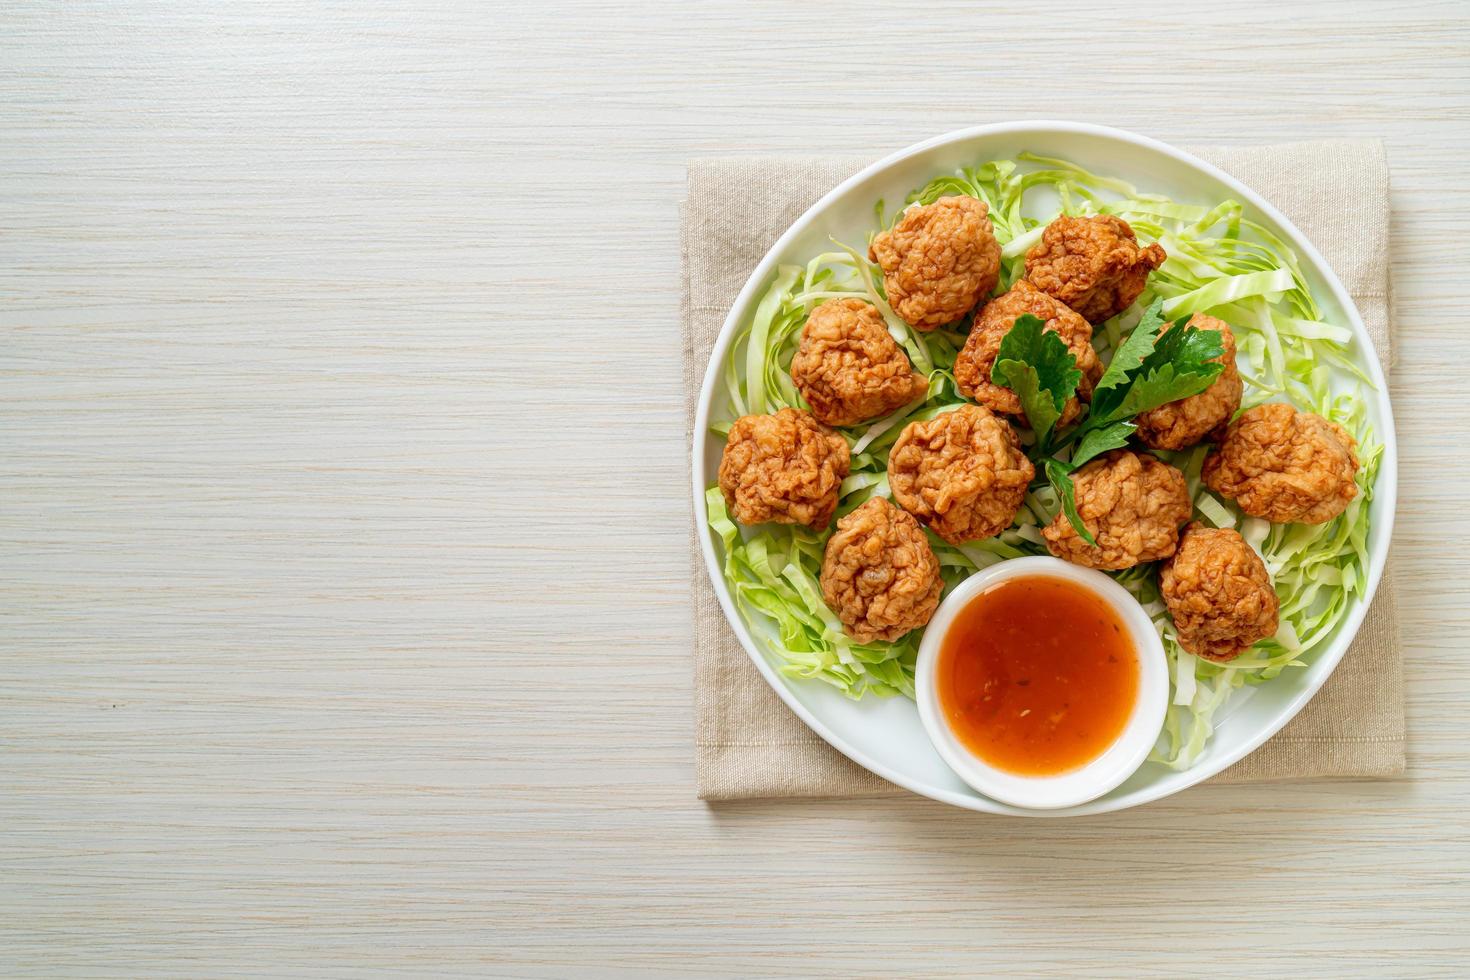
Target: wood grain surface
[[343, 582]]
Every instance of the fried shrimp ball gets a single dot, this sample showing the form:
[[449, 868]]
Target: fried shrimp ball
[[879, 574], [784, 468], [1285, 466], [1187, 421], [938, 261], [963, 473], [972, 365], [1092, 264], [1131, 503], [1218, 591], [848, 368]]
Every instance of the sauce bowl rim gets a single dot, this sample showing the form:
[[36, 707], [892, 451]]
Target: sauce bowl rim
[[1112, 767]]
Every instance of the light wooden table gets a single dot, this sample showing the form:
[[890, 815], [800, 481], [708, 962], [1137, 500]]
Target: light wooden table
[[342, 498]]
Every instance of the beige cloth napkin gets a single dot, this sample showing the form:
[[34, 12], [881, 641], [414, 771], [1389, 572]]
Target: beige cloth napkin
[[750, 745]]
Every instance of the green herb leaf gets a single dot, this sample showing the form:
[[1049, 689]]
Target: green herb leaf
[[1166, 385], [1037, 366], [1041, 412], [1030, 343], [1095, 442], [1158, 368], [1132, 351], [1060, 478], [1184, 345]]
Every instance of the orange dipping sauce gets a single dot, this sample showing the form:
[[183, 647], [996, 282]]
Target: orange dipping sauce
[[1037, 676]]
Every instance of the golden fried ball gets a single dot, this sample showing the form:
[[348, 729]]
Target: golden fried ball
[[1218, 591], [963, 473], [973, 364], [848, 368], [1131, 503], [938, 261], [1187, 421], [879, 574], [1092, 264], [784, 468], [1285, 466]]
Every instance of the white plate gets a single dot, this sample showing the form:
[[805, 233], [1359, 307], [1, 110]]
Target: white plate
[[884, 735]]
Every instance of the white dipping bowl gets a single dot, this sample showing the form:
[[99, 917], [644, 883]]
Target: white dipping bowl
[[1103, 774]]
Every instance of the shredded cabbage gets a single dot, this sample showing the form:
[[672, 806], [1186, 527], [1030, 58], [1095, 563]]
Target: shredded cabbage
[[1219, 262]]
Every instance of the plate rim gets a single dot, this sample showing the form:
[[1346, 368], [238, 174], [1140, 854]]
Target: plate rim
[[1385, 487]]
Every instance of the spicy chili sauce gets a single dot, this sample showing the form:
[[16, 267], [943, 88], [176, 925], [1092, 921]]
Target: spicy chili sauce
[[1037, 676]]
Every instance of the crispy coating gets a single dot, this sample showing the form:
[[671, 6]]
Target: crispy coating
[[848, 368], [1187, 421], [879, 574], [938, 261], [1131, 503], [1285, 466], [784, 468], [1092, 264], [1219, 593], [963, 473], [972, 365]]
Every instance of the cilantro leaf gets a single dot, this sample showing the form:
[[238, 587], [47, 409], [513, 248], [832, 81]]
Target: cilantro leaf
[[1060, 478], [1037, 366], [1023, 379], [1132, 351], [1166, 385], [1185, 345], [1170, 365], [1095, 442]]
